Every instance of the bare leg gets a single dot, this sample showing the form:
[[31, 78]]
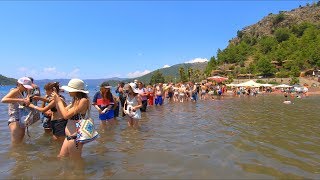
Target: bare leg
[[64, 149], [17, 133]]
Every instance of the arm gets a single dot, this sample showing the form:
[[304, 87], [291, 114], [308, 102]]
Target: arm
[[39, 98], [139, 103], [43, 109], [11, 97], [67, 112], [81, 108], [94, 103], [124, 106]]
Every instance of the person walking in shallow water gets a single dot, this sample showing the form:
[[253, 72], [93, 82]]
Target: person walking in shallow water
[[17, 98], [103, 101], [79, 107], [57, 122], [132, 105]]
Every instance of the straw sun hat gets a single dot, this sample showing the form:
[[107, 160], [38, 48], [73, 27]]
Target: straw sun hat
[[75, 85]]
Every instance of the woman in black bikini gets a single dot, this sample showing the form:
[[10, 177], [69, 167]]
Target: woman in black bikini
[[58, 123], [79, 107]]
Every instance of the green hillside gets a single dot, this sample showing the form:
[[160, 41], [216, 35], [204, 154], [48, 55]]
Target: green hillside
[[279, 45], [172, 73], [7, 81]]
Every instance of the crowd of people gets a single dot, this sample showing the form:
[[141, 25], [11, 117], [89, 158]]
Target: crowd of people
[[129, 101]]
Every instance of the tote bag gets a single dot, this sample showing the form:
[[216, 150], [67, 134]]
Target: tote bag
[[28, 116], [86, 131]]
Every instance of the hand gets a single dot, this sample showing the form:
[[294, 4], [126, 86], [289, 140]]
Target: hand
[[26, 101], [54, 95], [105, 110]]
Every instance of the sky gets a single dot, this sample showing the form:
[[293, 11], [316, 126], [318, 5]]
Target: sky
[[126, 39]]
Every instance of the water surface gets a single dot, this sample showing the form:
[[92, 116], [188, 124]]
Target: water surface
[[247, 137]]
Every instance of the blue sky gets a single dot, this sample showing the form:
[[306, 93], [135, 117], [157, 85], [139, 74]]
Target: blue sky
[[103, 39]]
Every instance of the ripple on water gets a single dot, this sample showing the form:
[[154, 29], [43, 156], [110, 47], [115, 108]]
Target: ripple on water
[[256, 138]]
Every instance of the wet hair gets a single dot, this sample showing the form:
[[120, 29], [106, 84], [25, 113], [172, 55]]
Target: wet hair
[[51, 85]]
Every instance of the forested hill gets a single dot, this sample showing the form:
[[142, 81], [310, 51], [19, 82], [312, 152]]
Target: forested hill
[[172, 74], [284, 19], [7, 81], [281, 45]]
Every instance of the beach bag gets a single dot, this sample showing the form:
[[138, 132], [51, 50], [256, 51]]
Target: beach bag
[[28, 116], [86, 131]]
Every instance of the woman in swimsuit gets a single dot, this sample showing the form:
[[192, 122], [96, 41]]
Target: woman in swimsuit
[[58, 123], [16, 99], [79, 107]]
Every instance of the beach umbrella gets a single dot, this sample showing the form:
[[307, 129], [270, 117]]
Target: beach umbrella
[[217, 79]]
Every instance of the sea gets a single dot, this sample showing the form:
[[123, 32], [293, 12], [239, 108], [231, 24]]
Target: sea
[[226, 138]]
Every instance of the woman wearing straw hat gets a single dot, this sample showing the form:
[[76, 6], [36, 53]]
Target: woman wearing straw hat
[[79, 107], [16, 100]]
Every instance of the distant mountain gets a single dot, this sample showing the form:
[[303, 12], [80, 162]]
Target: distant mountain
[[7, 81], [172, 71]]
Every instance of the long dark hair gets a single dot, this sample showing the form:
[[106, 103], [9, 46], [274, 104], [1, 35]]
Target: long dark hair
[[78, 96], [107, 95]]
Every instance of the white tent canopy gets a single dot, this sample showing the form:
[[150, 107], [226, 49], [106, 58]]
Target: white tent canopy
[[282, 86], [250, 83], [266, 85], [231, 85]]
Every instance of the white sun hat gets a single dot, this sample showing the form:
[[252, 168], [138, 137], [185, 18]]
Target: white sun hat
[[134, 87], [75, 85], [25, 82]]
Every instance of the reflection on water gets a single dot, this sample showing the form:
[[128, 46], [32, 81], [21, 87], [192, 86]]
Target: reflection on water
[[255, 137]]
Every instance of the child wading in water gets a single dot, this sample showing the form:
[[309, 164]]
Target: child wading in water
[[133, 104]]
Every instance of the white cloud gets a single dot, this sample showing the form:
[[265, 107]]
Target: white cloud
[[138, 73], [196, 60], [166, 66], [48, 73], [49, 69], [74, 73], [22, 69]]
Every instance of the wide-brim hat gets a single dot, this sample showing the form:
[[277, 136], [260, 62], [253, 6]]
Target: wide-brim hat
[[133, 87], [25, 82], [75, 85]]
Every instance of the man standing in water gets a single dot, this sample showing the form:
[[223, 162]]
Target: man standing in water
[[159, 94]]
